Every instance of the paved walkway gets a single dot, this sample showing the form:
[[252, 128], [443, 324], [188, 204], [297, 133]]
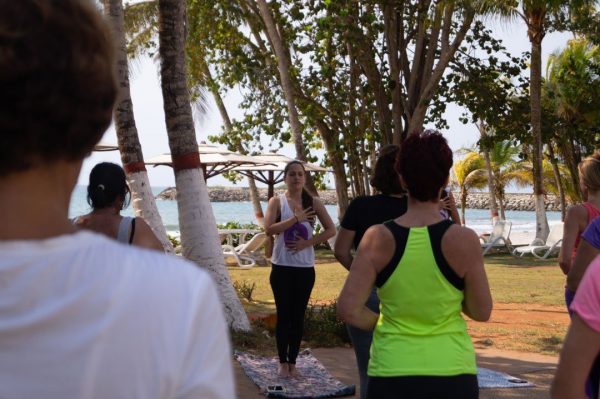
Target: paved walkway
[[340, 362]]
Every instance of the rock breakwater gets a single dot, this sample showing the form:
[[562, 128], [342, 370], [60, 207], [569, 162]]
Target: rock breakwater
[[476, 200]]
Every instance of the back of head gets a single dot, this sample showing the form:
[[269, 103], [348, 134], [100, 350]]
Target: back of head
[[589, 169], [424, 163], [107, 185], [57, 81], [385, 179]]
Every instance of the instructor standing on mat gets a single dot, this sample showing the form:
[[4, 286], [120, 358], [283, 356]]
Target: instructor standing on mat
[[291, 217]]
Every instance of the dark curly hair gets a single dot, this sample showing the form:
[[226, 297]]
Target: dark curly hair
[[107, 185], [385, 179], [57, 81], [424, 163]]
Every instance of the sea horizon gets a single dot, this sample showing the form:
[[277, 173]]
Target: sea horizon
[[243, 213]]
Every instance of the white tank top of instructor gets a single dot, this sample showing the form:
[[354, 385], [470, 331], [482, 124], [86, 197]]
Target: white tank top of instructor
[[284, 256]]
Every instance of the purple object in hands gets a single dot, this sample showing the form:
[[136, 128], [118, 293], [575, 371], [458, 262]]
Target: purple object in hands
[[296, 231]]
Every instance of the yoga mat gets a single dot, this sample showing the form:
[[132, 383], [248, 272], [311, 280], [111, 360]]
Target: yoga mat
[[494, 379], [315, 380]]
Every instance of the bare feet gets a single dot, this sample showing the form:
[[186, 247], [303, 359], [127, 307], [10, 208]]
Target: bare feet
[[294, 371], [284, 370]]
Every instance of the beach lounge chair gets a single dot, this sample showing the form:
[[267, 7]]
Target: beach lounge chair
[[543, 250], [498, 239], [245, 255]]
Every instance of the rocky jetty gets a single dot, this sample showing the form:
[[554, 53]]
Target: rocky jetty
[[476, 200]]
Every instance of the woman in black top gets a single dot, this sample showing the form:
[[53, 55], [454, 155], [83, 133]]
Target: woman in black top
[[364, 212]]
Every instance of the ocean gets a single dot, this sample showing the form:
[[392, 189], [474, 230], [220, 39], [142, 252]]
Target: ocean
[[242, 212]]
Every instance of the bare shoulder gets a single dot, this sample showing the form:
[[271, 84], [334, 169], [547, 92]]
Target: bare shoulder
[[462, 249], [576, 211], [459, 239], [145, 236], [142, 225], [274, 200], [377, 247], [82, 221], [377, 236], [317, 202]]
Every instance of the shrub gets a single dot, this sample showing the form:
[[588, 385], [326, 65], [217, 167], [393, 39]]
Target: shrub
[[244, 290], [323, 328], [257, 340]]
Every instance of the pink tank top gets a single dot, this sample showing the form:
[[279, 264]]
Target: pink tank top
[[593, 213]]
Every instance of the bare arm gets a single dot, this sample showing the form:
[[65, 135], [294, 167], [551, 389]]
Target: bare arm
[[578, 353], [374, 252], [326, 222], [585, 255], [144, 236], [461, 248], [571, 230], [343, 247], [452, 209]]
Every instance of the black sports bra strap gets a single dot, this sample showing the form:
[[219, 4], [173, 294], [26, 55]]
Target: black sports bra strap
[[132, 231], [400, 234], [436, 233]]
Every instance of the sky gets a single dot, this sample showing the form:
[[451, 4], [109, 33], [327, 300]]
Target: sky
[[148, 110]]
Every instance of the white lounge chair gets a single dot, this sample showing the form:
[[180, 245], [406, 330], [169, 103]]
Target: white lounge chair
[[542, 251], [245, 255], [499, 238]]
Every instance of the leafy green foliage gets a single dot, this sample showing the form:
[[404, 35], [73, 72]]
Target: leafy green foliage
[[244, 289], [323, 328]]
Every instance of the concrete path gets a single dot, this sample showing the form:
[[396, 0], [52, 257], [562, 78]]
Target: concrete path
[[340, 362]]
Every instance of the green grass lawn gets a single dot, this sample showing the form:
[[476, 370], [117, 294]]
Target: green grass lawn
[[525, 282], [512, 280]]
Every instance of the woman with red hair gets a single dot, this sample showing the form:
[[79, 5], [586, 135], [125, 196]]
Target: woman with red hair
[[427, 271]]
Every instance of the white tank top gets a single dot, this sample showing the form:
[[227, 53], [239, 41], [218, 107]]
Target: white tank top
[[281, 254]]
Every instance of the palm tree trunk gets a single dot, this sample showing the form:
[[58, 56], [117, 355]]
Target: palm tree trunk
[[199, 238], [254, 195], [557, 177], [488, 166], [463, 203], [284, 66], [536, 35], [127, 136]]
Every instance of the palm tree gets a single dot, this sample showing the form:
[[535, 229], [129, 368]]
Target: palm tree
[[536, 15], [129, 144], [199, 236], [573, 90], [284, 67], [504, 167], [488, 166], [507, 170], [467, 175]]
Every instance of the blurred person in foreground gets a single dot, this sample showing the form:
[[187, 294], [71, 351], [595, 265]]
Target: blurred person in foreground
[[81, 315], [582, 344], [362, 213], [427, 270], [108, 195]]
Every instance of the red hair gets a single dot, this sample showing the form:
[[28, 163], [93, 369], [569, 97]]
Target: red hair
[[424, 164]]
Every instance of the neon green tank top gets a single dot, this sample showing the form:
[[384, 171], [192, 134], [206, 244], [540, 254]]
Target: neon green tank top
[[420, 331]]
